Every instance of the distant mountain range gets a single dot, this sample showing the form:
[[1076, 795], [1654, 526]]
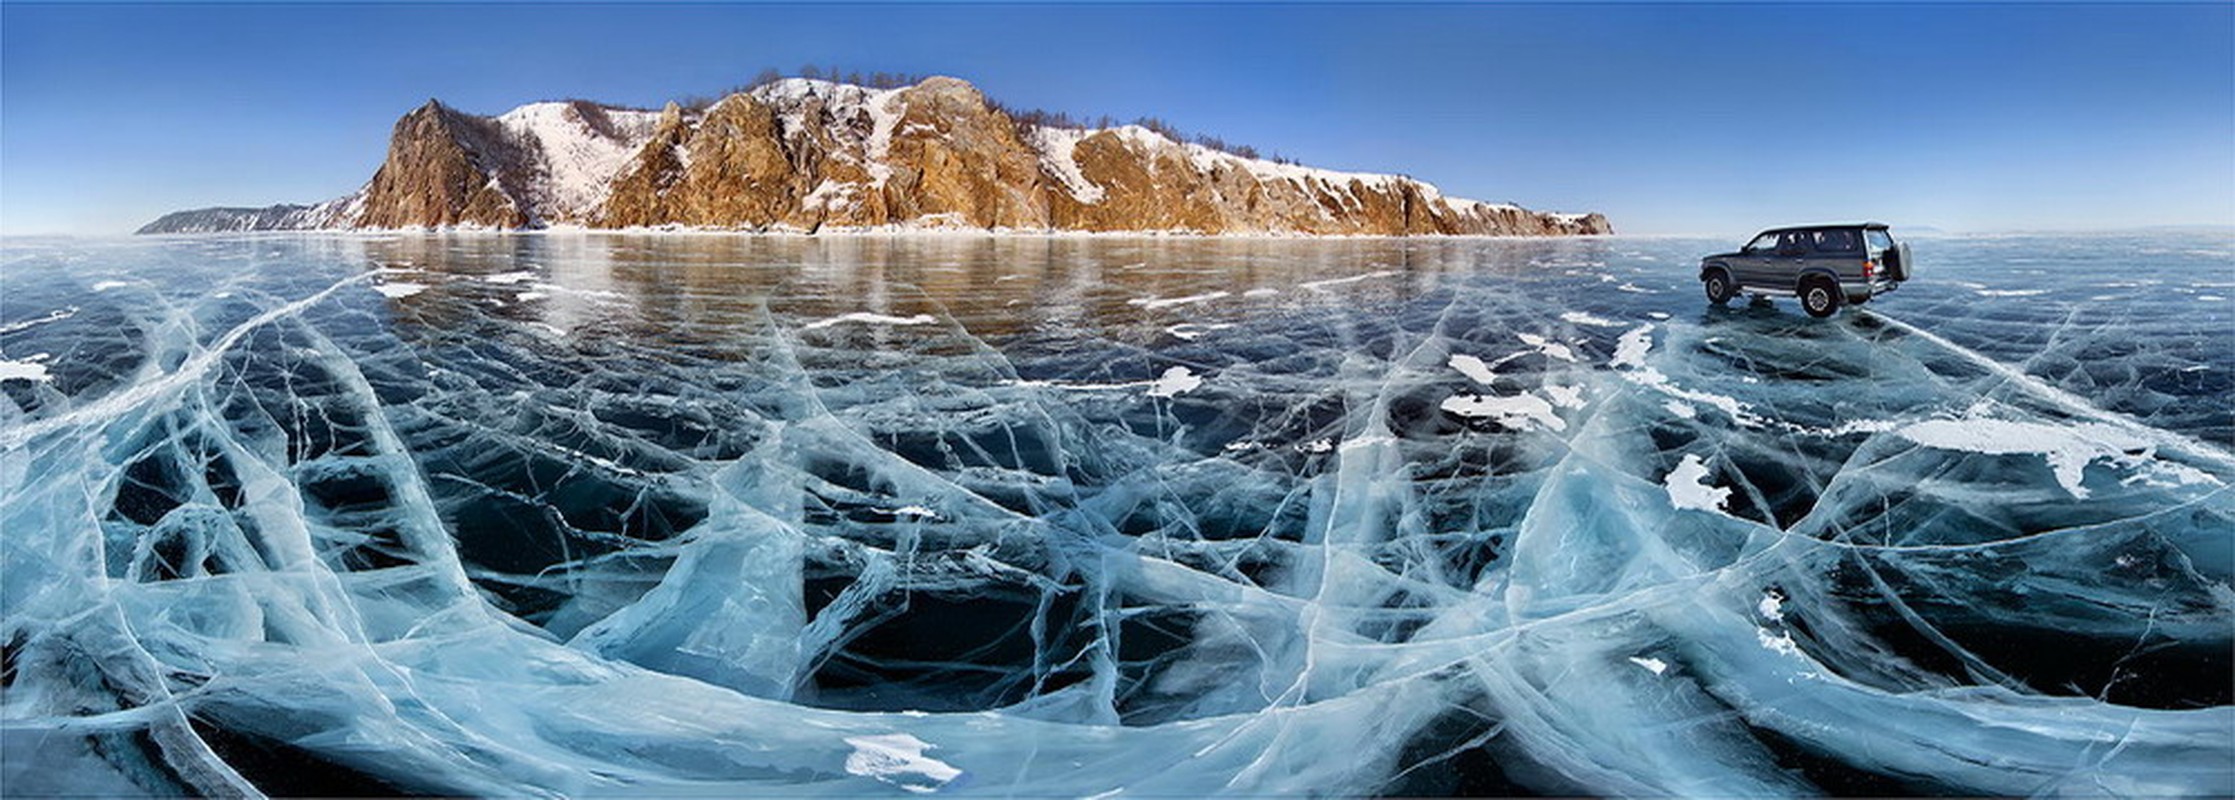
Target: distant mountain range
[[802, 155]]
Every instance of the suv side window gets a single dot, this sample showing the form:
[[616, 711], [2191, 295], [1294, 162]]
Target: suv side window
[[1837, 240], [1792, 243], [1879, 241], [1762, 244]]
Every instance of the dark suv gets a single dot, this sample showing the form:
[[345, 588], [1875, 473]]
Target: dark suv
[[1824, 265]]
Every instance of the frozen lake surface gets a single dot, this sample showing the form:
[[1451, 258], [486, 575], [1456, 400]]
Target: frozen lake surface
[[600, 515]]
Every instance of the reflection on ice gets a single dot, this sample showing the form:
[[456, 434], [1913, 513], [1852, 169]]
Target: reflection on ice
[[1066, 517]]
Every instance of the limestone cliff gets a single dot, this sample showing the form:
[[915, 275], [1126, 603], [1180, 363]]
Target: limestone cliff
[[443, 168], [804, 155]]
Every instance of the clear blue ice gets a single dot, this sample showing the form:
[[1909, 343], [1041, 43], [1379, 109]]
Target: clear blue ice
[[596, 515]]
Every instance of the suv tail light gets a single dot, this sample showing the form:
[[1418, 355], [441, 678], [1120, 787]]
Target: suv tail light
[[1870, 269]]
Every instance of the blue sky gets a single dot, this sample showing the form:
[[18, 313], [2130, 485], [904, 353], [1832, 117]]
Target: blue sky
[[1670, 118]]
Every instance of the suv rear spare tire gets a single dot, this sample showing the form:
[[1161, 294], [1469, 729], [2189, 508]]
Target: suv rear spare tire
[[1897, 261]]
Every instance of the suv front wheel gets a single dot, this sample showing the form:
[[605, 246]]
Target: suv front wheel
[[1819, 296], [1719, 288]]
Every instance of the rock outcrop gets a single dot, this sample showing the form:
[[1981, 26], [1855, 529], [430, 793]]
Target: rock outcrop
[[445, 168], [804, 156]]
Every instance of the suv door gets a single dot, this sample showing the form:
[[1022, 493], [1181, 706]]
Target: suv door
[[1839, 250], [1781, 269], [1752, 263]]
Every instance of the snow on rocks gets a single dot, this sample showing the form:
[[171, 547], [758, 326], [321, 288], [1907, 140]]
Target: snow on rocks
[[583, 147], [1057, 148]]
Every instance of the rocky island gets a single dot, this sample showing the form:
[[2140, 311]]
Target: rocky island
[[803, 156]]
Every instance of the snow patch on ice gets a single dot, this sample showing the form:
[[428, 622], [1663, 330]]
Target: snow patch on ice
[[898, 759], [400, 288], [1513, 412], [1771, 606], [1153, 303], [1688, 488], [29, 369], [1653, 665], [869, 318], [1192, 331], [1852, 427], [56, 315], [1176, 381], [1330, 283], [1473, 368], [1593, 320], [2066, 449], [919, 512], [1630, 350], [1780, 643], [1547, 346]]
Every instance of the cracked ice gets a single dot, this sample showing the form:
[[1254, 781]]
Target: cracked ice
[[1073, 517]]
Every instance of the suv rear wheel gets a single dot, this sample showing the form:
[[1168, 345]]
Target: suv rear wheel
[[1719, 287], [1819, 296]]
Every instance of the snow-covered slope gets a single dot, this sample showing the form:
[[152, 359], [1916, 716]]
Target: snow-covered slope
[[576, 149], [332, 213]]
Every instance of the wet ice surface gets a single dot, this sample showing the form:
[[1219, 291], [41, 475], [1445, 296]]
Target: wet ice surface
[[604, 514]]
